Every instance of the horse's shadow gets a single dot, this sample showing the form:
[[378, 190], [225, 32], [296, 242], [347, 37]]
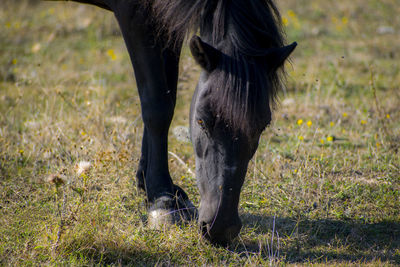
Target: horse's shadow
[[318, 240]]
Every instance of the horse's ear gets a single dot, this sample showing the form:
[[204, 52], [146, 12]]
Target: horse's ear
[[276, 56], [204, 54]]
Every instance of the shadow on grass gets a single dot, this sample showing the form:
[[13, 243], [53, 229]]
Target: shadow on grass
[[301, 241], [105, 254], [324, 240]]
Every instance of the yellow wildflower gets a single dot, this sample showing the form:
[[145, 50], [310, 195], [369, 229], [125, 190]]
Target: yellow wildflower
[[14, 61], [363, 122], [345, 114], [322, 141], [378, 144], [111, 54], [285, 21], [294, 19], [299, 122], [387, 116], [332, 124], [301, 138], [309, 123], [340, 23], [329, 139], [291, 13]]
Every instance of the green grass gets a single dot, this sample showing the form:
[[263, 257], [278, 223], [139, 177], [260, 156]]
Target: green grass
[[325, 192]]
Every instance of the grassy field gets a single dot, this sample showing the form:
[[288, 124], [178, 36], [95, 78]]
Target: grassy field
[[323, 187]]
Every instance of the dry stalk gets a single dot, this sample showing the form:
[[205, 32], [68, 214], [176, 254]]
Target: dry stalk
[[380, 111]]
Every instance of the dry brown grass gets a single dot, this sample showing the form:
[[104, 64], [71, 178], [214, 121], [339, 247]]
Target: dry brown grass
[[67, 95]]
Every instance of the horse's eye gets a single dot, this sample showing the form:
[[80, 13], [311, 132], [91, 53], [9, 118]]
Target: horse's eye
[[201, 123]]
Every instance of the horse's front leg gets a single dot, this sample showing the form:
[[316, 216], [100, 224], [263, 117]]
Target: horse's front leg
[[156, 72]]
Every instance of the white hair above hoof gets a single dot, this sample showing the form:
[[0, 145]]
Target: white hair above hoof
[[160, 219], [167, 211]]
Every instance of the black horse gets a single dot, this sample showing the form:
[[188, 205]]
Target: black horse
[[241, 51]]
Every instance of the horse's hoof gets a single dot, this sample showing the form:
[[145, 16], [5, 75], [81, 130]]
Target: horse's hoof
[[187, 211], [168, 211], [184, 205]]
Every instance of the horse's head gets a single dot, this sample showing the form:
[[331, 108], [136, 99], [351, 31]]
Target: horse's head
[[227, 120]]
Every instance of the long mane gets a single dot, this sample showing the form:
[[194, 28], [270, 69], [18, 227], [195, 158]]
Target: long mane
[[245, 88]]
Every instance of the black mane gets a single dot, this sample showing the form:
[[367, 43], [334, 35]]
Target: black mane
[[243, 30]]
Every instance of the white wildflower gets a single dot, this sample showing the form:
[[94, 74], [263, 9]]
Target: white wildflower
[[83, 167]]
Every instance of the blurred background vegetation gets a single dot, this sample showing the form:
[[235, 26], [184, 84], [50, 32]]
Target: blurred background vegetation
[[323, 187]]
